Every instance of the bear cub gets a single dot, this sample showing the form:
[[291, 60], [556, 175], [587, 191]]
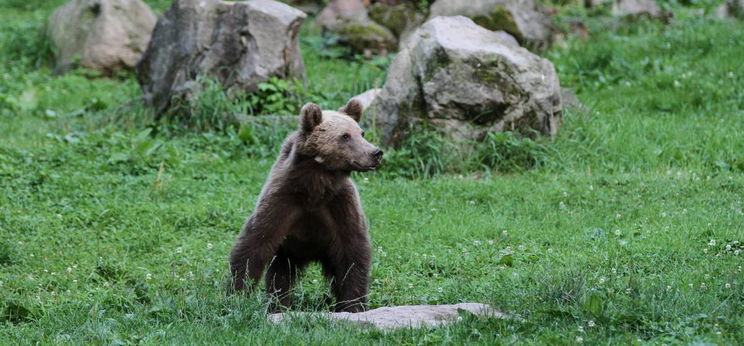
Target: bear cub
[[309, 211]]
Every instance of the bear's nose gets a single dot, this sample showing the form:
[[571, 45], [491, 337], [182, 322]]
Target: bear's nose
[[377, 154]]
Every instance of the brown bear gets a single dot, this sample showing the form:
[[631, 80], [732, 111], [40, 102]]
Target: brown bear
[[309, 211]]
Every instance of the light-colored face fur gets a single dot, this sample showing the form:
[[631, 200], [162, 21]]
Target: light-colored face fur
[[335, 140]]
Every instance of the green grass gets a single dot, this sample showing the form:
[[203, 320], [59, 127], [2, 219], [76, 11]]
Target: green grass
[[627, 229]]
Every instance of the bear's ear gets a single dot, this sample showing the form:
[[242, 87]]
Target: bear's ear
[[353, 109], [310, 117]]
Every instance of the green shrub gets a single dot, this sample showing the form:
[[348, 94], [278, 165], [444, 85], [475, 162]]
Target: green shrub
[[264, 134], [27, 43], [208, 108], [509, 152], [424, 153], [281, 97], [6, 254]]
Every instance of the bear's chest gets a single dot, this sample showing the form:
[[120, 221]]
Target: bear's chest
[[314, 193]]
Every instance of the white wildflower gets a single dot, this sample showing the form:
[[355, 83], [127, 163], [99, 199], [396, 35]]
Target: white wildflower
[[148, 277], [210, 246], [712, 242], [591, 324], [727, 285]]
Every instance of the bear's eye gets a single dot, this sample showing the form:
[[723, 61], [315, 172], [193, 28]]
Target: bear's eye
[[362, 134], [346, 137]]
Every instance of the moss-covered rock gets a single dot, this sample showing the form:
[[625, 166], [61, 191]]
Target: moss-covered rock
[[499, 18], [350, 21], [366, 37], [397, 18]]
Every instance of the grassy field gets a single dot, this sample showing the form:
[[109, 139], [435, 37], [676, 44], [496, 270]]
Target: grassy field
[[629, 227]]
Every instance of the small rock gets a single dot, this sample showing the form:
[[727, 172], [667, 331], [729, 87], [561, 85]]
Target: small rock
[[731, 9], [571, 103], [103, 35], [637, 8], [410, 316], [338, 9], [527, 20]]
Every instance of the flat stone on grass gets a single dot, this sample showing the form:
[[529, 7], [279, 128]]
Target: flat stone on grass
[[395, 317]]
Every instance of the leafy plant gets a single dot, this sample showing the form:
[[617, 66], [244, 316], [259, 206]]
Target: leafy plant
[[140, 153], [280, 97]]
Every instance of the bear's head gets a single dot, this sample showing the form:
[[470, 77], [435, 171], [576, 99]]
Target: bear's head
[[335, 140]]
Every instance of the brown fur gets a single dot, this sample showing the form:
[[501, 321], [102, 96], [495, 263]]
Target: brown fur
[[309, 211]]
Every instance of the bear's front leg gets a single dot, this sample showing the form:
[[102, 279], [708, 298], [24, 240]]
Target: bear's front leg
[[349, 265], [258, 242], [349, 277], [280, 276]]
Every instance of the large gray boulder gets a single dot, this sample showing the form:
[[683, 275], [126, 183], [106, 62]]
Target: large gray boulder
[[103, 35], [395, 317], [241, 44], [526, 20], [466, 87]]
